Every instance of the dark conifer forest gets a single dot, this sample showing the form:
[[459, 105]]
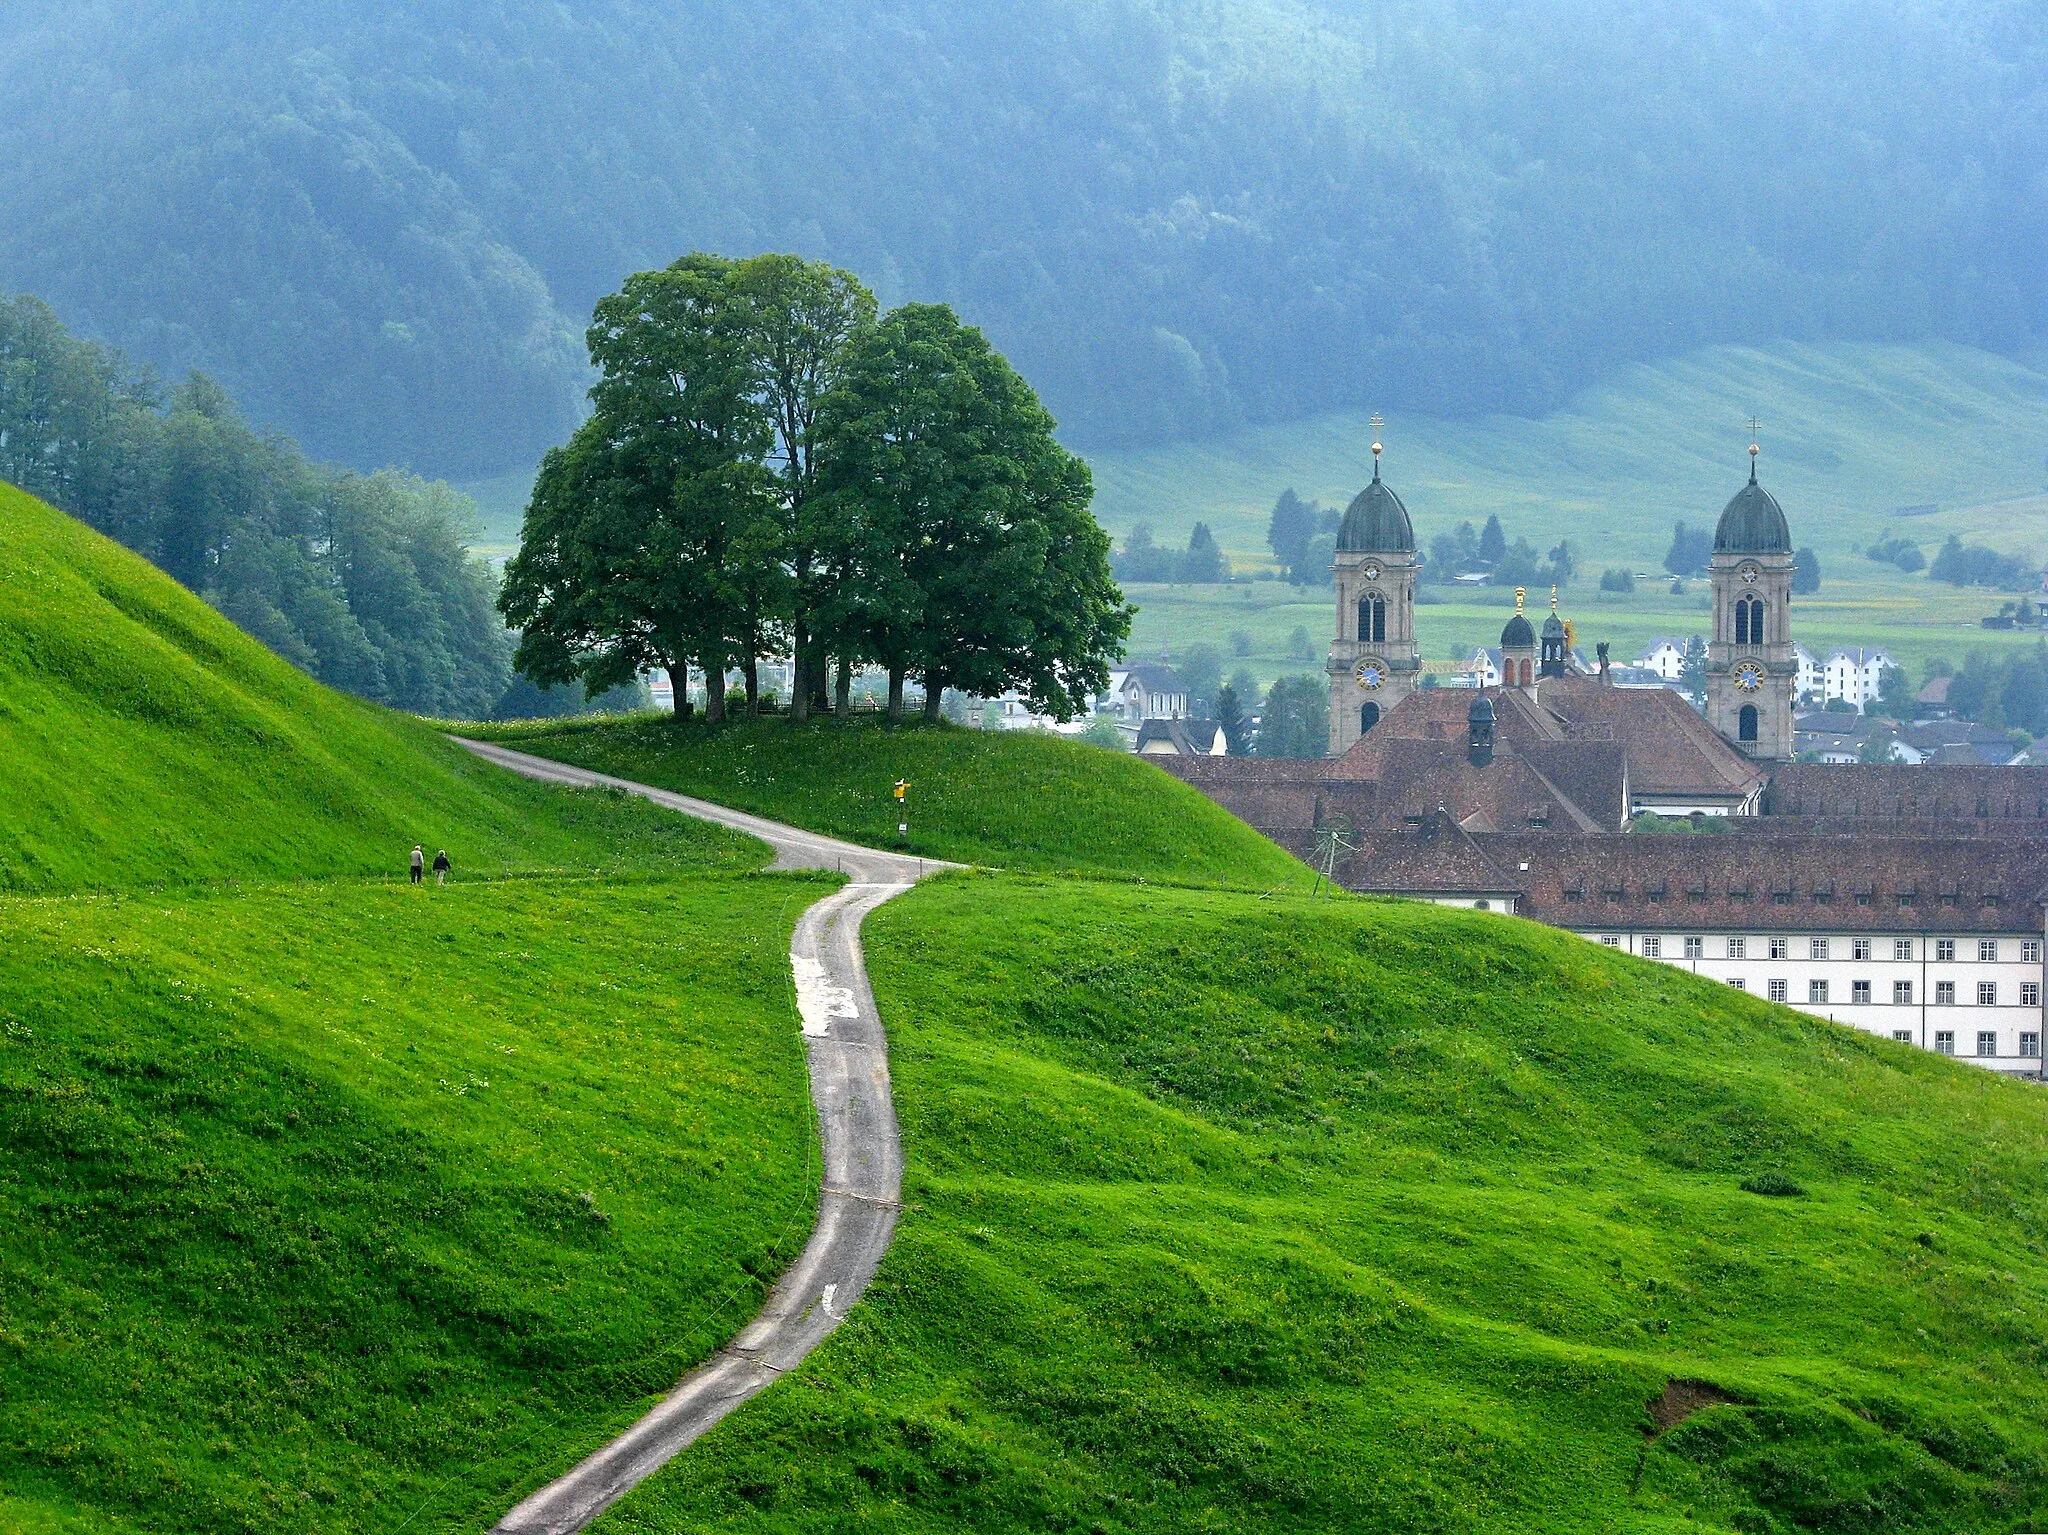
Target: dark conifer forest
[[382, 228]]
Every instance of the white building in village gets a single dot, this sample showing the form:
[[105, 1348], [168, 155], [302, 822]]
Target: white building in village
[[1959, 993], [1664, 656], [1855, 675]]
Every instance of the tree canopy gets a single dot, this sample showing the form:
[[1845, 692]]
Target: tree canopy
[[770, 470], [365, 581]]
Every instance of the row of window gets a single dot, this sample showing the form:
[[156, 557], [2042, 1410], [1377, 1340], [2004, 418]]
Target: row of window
[[1902, 993], [1987, 1042], [1822, 948]]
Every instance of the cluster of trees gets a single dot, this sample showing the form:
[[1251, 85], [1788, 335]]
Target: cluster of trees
[[2005, 693], [1900, 552], [1296, 718], [772, 469], [1962, 564], [1959, 564], [1174, 217], [1140, 560], [365, 581], [1303, 538], [1464, 551]]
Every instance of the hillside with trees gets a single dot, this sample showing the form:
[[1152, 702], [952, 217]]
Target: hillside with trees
[[380, 227]]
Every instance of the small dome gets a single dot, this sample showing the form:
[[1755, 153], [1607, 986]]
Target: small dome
[[1481, 712], [1377, 522], [1518, 635], [1553, 627], [1753, 523]]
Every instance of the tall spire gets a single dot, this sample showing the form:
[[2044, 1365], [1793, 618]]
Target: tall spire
[[1376, 423], [1754, 424]]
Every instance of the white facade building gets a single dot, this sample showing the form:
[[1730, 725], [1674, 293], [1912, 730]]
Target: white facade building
[[1976, 996], [1665, 657], [1855, 675]]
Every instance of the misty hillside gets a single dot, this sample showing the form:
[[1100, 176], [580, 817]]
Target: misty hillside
[[383, 227]]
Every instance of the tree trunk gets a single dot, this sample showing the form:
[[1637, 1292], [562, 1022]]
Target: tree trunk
[[820, 678], [934, 696], [751, 674], [896, 693], [842, 703], [714, 690], [679, 687]]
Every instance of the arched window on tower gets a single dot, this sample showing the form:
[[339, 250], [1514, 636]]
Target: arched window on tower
[[1372, 618], [1528, 673], [1368, 716], [1749, 621], [1745, 723]]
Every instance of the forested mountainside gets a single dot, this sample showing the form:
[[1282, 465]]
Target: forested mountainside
[[383, 227]]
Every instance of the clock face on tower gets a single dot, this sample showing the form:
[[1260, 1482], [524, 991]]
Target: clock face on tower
[[1372, 570], [1751, 574], [1372, 672], [1749, 676]]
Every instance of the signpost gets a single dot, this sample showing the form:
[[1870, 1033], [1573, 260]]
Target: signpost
[[903, 809]]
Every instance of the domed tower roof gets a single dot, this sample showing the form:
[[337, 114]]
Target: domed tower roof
[[1481, 712], [1553, 626], [1377, 522], [1753, 522], [1518, 635]]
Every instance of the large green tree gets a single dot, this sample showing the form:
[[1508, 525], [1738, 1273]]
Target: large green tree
[[652, 538], [972, 558], [802, 317]]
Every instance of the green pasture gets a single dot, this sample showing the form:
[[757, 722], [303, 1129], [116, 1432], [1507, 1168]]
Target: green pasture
[[1231, 1214], [1860, 603], [1852, 434], [1008, 798]]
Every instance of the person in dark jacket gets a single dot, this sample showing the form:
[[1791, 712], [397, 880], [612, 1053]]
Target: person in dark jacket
[[441, 867]]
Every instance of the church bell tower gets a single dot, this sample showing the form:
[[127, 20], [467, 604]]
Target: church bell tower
[[1752, 668], [1374, 663]]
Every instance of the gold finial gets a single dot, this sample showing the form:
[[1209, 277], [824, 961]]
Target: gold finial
[[1376, 423], [1520, 593], [1754, 427], [1553, 599]]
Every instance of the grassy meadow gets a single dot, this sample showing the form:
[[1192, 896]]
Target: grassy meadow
[[344, 1206], [1232, 1214], [1860, 603], [333, 1204], [1852, 434], [1004, 798]]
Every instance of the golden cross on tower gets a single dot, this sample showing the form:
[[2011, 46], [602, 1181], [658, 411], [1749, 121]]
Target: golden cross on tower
[[1376, 423]]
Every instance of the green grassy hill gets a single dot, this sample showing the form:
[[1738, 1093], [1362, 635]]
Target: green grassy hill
[[1851, 434], [1236, 1214], [146, 740], [331, 1204], [1009, 798]]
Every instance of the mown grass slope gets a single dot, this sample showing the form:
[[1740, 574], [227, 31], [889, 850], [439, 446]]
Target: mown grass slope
[[1007, 798], [145, 740], [328, 1204], [1239, 1214]]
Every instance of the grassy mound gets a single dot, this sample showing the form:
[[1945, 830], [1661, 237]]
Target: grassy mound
[[333, 1203], [1230, 1214], [330, 1204], [1004, 798], [146, 740]]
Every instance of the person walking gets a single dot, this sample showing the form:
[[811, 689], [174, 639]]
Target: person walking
[[441, 867], [419, 863]]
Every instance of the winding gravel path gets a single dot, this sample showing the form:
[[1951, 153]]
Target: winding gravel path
[[863, 1157]]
